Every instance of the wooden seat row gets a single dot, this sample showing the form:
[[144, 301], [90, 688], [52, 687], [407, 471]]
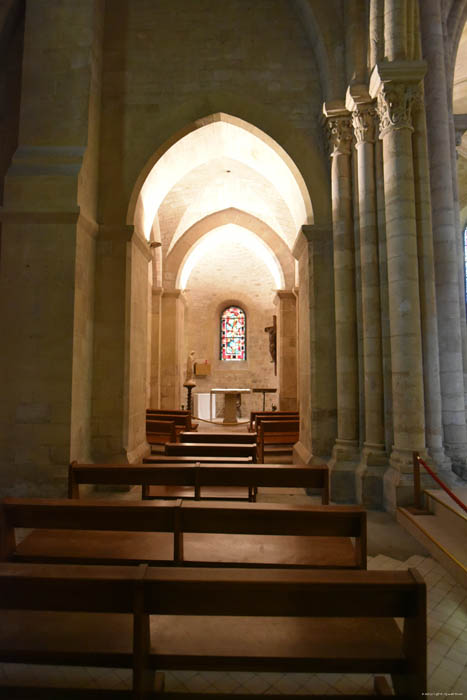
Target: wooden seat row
[[190, 533], [157, 433], [210, 449], [148, 619], [200, 480], [257, 416], [276, 432]]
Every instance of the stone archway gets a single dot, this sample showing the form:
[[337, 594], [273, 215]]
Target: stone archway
[[221, 170]]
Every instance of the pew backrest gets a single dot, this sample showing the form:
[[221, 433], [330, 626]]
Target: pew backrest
[[206, 449], [330, 622], [277, 432], [219, 438], [272, 415]]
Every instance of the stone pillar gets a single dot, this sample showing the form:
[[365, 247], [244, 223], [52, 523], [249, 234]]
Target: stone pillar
[[286, 350], [171, 339], [345, 455], [445, 237], [47, 251], [394, 86], [156, 312], [120, 345], [369, 485], [429, 321], [316, 338]]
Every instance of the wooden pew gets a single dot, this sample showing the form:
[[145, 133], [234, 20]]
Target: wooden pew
[[281, 415], [89, 532], [276, 432], [272, 535], [219, 438], [73, 616], [189, 533], [290, 621], [208, 449], [159, 432], [181, 417], [201, 480], [169, 477]]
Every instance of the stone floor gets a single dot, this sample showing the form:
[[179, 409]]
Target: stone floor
[[389, 547]]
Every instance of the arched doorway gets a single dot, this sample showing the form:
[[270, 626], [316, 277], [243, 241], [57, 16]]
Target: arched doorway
[[222, 207]]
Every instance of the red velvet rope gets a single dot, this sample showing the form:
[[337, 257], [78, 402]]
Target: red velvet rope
[[448, 491]]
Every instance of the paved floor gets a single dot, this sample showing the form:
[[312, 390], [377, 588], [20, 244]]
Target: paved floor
[[389, 547]]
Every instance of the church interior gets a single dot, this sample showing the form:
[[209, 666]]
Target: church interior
[[233, 236]]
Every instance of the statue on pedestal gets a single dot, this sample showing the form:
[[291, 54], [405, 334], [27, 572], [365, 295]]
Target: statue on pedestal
[[190, 361]]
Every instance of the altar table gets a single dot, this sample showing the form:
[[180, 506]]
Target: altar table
[[230, 403]]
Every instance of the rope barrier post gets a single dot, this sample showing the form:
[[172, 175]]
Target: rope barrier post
[[416, 481]]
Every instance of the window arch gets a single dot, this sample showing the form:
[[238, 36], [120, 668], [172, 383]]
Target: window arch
[[233, 334]]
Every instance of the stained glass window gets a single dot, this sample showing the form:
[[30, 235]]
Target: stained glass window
[[233, 334]]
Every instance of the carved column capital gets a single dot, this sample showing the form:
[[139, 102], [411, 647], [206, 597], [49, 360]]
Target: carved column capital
[[340, 134], [363, 121], [394, 106]]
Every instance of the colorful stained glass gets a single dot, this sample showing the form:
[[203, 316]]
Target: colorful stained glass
[[233, 334]]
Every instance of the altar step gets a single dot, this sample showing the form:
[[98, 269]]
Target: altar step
[[442, 530]]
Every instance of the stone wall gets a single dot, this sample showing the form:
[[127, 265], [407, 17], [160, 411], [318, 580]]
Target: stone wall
[[233, 275]]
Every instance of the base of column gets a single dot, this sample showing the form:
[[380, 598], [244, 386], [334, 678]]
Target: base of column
[[398, 479], [136, 455], [342, 466], [369, 476], [458, 455], [439, 457], [301, 454]]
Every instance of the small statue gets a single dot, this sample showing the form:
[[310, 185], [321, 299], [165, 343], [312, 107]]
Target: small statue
[[189, 381]]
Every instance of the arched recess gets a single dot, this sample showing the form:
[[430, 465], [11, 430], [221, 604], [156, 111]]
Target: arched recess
[[307, 166], [180, 251], [303, 155]]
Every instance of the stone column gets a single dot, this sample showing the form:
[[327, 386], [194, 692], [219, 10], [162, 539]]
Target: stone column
[[345, 455], [445, 237], [171, 337], [155, 390], [369, 474], [286, 350], [394, 86], [431, 374], [316, 338], [48, 252]]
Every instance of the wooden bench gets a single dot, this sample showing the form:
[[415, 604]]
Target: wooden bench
[[217, 619], [276, 432], [162, 479], [219, 438], [89, 532], [290, 621], [210, 449], [190, 533], [280, 415], [73, 616], [181, 418], [201, 480], [159, 432]]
